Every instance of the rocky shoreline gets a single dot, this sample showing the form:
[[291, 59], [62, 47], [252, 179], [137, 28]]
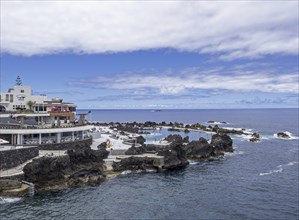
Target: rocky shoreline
[[79, 166], [176, 154], [143, 128], [82, 165]]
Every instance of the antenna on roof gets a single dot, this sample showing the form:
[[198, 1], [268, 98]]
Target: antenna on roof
[[18, 81]]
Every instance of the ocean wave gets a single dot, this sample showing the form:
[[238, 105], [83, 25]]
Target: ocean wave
[[138, 171], [248, 131], [126, 172], [242, 137], [236, 152], [193, 162], [279, 168], [217, 123], [292, 137], [151, 171], [291, 163], [6, 200], [293, 150]]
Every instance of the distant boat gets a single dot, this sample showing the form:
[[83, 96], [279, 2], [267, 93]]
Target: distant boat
[[157, 110]]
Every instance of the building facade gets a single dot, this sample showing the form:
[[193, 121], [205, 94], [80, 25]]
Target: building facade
[[48, 121], [21, 98]]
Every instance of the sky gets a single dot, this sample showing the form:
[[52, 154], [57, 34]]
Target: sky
[[154, 54]]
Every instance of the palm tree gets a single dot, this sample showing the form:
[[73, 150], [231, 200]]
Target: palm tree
[[30, 104]]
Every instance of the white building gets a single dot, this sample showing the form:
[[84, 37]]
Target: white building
[[17, 98]]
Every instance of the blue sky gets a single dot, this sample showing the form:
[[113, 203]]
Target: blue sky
[[139, 55]]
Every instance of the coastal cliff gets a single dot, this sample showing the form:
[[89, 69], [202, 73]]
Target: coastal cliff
[[81, 165]]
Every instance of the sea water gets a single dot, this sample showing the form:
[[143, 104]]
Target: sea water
[[257, 181]]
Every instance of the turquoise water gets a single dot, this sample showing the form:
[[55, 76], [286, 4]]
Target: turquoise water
[[257, 181]]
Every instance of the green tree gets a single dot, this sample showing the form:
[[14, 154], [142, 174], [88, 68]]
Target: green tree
[[18, 81], [30, 104]]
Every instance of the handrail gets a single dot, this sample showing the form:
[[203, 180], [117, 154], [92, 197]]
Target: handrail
[[38, 126]]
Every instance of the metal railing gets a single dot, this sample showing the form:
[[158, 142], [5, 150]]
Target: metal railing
[[18, 126]]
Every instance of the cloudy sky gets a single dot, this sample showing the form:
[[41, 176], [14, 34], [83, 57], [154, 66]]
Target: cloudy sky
[[158, 54]]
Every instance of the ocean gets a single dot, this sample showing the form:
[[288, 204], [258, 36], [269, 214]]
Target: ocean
[[257, 181]]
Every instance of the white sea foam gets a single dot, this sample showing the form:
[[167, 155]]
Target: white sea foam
[[138, 171], [291, 163], [151, 171], [155, 134], [245, 130], [5, 200], [217, 123], [279, 168], [236, 152], [292, 137], [192, 162], [272, 171], [126, 172], [246, 137]]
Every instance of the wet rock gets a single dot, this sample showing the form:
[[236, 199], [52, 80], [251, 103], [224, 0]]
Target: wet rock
[[186, 139], [283, 135], [218, 151], [80, 165], [140, 140], [255, 137], [200, 149], [186, 131], [47, 170], [174, 137], [174, 156], [134, 163], [222, 142]]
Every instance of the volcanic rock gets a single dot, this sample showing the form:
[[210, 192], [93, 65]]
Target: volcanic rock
[[199, 149], [135, 150], [255, 137], [134, 163], [80, 166], [174, 155], [222, 142], [283, 135], [174, 137]]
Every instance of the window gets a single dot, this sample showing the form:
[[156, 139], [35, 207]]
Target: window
[[7, 97], [22, 91], [11, 98]]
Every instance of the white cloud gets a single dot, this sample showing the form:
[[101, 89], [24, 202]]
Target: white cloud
[[235, 29], [196, 79]]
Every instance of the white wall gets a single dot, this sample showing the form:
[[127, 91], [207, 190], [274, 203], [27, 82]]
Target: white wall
[[21, 95]]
